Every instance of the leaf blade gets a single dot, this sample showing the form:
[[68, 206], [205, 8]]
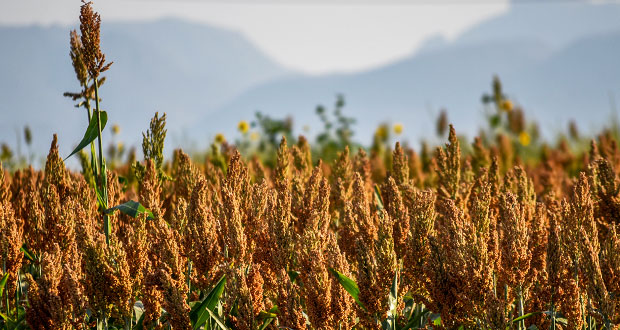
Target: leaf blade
[[200, 315], [132, 209], [91, 132], [5, 279], [350, 286]]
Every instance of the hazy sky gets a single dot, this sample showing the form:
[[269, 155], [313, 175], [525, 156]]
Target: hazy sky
[[313, 36]]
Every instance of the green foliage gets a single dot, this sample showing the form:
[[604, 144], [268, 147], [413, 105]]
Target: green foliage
[[349, 285], [92, 132], [337, 132], [201, 312], [153, 140], [132, 209]]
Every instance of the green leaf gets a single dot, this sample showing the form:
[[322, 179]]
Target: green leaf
[[202, 311], [5, 317], [494, 121], [392, 313], [216, 318], [104, 179], [20, 324], [523, 317], [393, 298], [379, 199], [266, 323], [27, 253], [139, 325], [268, 317], [3, 281], [131, 208], [350, 286], [99, 197], [293, 275], [91, 132], [14, 324], [17, 290], [416, 319]]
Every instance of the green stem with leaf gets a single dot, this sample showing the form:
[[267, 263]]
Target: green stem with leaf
[[93, 156], [102, 170], [522, 322]]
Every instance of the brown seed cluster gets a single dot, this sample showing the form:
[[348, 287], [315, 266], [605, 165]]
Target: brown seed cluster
[[471, 237], [478, 237], [90, 28]]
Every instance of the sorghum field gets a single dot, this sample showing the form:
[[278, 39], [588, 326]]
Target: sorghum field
[[507, 232]]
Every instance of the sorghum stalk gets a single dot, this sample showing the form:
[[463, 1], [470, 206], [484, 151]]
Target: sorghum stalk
[[189, 278], [102, 324], [102, 182], [7, 295], [93, 157], [522, 322]]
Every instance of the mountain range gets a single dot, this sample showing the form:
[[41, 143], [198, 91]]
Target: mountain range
[[171, 66], [558, 60]]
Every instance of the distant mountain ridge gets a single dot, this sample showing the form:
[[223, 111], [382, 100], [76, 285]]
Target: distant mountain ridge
[[168, 65], [557, 72], [554, 23], [559, 61]]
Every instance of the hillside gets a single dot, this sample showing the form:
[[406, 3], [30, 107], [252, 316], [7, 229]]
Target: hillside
[[167, 65], [557, 71]]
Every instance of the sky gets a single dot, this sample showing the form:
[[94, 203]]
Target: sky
[[310, 36]]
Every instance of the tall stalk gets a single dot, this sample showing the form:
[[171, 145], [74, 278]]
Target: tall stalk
[[552, 317], [189, 278], [103, 185], [8, 313], [522, 322], [93, 156]]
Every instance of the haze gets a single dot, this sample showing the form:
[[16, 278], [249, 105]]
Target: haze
[[334, 36]]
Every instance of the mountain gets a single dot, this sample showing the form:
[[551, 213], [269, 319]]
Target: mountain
[[558, 61], [167, 65], [555, 23], [401, 92]]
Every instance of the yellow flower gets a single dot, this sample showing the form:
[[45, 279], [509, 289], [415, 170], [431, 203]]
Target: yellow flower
[[524, 138], [506, 105], [398, 128], [219, 138], [116, 129], [254, 136], [243, 126]]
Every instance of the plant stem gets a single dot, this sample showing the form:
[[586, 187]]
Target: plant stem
[[506, 299], [494, 284], [189, 278], [93, 156], [127, 323], [6, 324], [18, 289], [522, 322], [103, 185]]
